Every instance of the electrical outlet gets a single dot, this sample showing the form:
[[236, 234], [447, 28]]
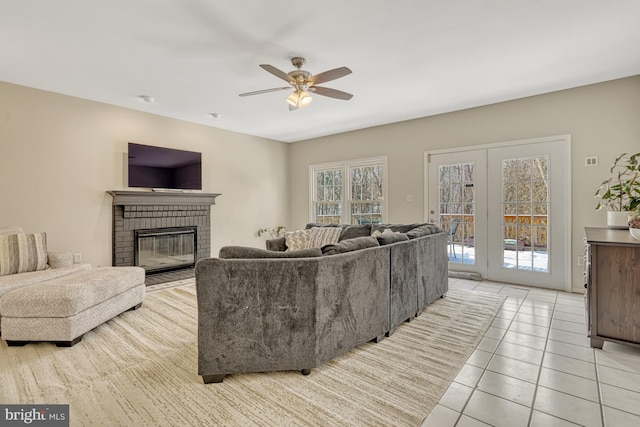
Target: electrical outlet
[[233, 241], [77, 258], [580, 260], [591, 161]]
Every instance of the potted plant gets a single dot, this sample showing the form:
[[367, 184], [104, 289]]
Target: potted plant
[[273, 232], [620, 193], [634, 224]]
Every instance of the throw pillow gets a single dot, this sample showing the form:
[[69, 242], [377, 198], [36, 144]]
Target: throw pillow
[[297, 240], [402, 228], [241, 252], [277, 244], [423, 230], [59, 260], [389, 238], [321, 236], [20, 253], [10, 230], [377, 233], [350, 245]]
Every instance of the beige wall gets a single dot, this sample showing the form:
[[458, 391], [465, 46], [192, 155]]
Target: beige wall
[[59, 154], [603, 120]]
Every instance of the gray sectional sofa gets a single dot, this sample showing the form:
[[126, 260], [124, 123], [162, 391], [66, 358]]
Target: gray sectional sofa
[[270, 310]]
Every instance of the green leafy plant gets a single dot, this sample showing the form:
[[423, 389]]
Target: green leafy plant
[[273, 232], [621, 192]]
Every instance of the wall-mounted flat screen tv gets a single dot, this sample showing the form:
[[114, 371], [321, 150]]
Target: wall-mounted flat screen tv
[[164, 168]]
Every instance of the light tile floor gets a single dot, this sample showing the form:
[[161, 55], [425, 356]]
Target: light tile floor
[[534, 367]]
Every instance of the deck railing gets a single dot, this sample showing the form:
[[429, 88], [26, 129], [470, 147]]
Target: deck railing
[[526, 230]]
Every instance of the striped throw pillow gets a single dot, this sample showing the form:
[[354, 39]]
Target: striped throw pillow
[[321, 236], [20, 253]]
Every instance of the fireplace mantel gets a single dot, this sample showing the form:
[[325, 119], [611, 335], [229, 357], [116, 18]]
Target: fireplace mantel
[[148, 198]]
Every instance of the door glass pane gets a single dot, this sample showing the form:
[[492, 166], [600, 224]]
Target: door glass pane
[[525, 222], [457, 210]]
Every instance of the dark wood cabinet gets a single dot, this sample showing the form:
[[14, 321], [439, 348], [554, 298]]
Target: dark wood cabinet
[[612, 279]]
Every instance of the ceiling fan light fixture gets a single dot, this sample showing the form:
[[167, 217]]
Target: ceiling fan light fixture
[[299, 98], [293, 99], [302, 82], [304, 99]]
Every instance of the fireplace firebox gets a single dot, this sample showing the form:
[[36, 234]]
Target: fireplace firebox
[[165, 249]]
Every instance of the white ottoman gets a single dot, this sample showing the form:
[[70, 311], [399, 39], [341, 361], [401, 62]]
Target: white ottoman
[[62, 310]]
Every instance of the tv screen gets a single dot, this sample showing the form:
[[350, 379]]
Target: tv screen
[[167, 168]]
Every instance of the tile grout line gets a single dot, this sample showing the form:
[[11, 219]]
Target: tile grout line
[[600, 400], [544, 353]]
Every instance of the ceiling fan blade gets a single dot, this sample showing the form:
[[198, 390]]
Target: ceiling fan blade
[[258, 92], [330, 75], [332, 93], [276, 72]]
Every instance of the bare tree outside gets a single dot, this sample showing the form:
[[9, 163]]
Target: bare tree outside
[[525, 190], [329, 196], [365, 194], [457, 200]]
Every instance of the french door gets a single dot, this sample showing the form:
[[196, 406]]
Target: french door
[[506, 208], [457, 185]]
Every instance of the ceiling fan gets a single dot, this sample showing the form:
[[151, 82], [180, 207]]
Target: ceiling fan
[[303, 82]]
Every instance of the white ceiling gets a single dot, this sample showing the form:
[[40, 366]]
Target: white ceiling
[[410, 58]]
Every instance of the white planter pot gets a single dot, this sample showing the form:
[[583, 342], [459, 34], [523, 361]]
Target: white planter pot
[[635, 233], [617, 219]]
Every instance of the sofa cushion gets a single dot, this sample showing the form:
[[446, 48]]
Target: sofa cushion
[[20, 253], [71, 294], [423, 230], [321, 236], [15, 281], [389, 238], [319, 225], [252, 253], [353, 231], [297, 240], [350, 245]]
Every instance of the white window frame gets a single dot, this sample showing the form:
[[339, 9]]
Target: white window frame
[[345, 166]]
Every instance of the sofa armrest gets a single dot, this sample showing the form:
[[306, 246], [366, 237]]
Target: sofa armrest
[[59, 259], [243, 252]]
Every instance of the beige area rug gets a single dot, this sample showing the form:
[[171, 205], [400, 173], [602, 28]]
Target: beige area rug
[[140, 369]]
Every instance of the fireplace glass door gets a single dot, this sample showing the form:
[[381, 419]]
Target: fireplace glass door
[[165, 249]]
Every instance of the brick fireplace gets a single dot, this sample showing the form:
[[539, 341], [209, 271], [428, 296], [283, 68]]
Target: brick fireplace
[[144, 213]]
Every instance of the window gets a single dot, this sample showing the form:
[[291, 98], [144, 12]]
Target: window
[[350, 192]]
